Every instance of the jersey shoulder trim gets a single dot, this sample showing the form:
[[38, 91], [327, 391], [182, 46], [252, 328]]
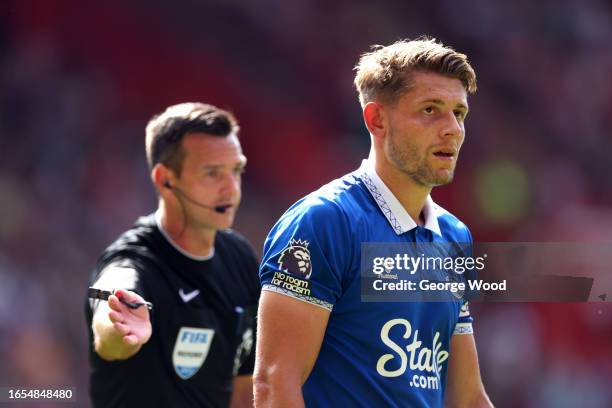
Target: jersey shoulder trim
[[463, 328], [304, 298]]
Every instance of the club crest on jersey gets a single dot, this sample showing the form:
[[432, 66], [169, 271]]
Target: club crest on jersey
[[295, 259], [190, 350]]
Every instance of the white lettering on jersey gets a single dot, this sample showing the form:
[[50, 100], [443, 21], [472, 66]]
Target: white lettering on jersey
[[416, 356]]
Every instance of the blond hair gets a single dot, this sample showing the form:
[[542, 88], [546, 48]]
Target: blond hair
[[384, 73]]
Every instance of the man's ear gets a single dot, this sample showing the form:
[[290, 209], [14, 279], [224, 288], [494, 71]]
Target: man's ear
[[162, 177], [375, 119]]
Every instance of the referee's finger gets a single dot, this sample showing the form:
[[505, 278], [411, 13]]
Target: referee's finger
[[128, 296], [131, 339], [122, 328], [115, 317], [115, 304]]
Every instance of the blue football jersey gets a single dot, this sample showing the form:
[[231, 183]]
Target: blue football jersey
[[374, 354]]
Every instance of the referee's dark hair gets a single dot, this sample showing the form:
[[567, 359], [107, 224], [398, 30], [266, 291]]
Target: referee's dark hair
[[165, 131]]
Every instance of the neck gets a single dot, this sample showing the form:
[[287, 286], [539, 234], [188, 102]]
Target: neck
[[198, 242], [411, 195]]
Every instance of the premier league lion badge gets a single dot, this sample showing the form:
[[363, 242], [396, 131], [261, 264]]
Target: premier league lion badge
[[295, 259]]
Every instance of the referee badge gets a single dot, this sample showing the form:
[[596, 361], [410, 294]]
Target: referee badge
[[190, 350], [295, 259]]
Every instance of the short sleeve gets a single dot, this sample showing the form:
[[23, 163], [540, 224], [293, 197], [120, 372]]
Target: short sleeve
[[120, 274], [465, 319], [307, 253]]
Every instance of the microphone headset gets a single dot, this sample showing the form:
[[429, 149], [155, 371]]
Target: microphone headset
[[218, 208]]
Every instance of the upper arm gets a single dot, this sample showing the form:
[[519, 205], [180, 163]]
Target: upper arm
[[290, 336], [305, 259], [464, 385]]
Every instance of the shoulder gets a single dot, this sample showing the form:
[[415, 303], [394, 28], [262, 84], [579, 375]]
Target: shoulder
[[451, 226], [138, 235], [135, 245], [232, 240], [331, 206], [322, 222]]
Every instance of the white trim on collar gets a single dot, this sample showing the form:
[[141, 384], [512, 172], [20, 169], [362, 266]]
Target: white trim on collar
[[176, 246], [390, 206]]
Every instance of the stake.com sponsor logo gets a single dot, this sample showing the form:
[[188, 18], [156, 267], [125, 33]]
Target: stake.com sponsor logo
[[413, 355]]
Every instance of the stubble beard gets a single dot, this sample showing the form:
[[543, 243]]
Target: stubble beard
[[409, 160]]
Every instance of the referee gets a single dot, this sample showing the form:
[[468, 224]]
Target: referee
[[195, 348]]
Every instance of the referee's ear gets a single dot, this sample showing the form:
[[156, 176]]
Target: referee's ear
[[374, 118], [160, 175]]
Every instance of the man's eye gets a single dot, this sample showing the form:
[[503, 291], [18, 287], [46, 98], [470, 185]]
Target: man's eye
[[212, 173], [239, 170], [459, 114], [429, 110]]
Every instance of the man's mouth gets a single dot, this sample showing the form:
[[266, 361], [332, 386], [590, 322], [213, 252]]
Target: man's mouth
[[223, 208], [445, 153]]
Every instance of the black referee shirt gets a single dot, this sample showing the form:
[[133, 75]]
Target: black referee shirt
[[203, 321]]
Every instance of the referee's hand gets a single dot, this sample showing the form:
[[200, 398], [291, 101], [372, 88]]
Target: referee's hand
[[134, 325]]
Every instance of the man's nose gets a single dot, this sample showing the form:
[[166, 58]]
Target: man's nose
[[231, 184], [453, 128]]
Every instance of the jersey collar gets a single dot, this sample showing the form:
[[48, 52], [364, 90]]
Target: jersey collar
[[176, 246], [395, 213]]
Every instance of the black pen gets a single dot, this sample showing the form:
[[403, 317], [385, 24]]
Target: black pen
[[94, 293]]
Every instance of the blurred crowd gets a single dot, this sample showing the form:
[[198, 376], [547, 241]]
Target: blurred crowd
[[79, 80]]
